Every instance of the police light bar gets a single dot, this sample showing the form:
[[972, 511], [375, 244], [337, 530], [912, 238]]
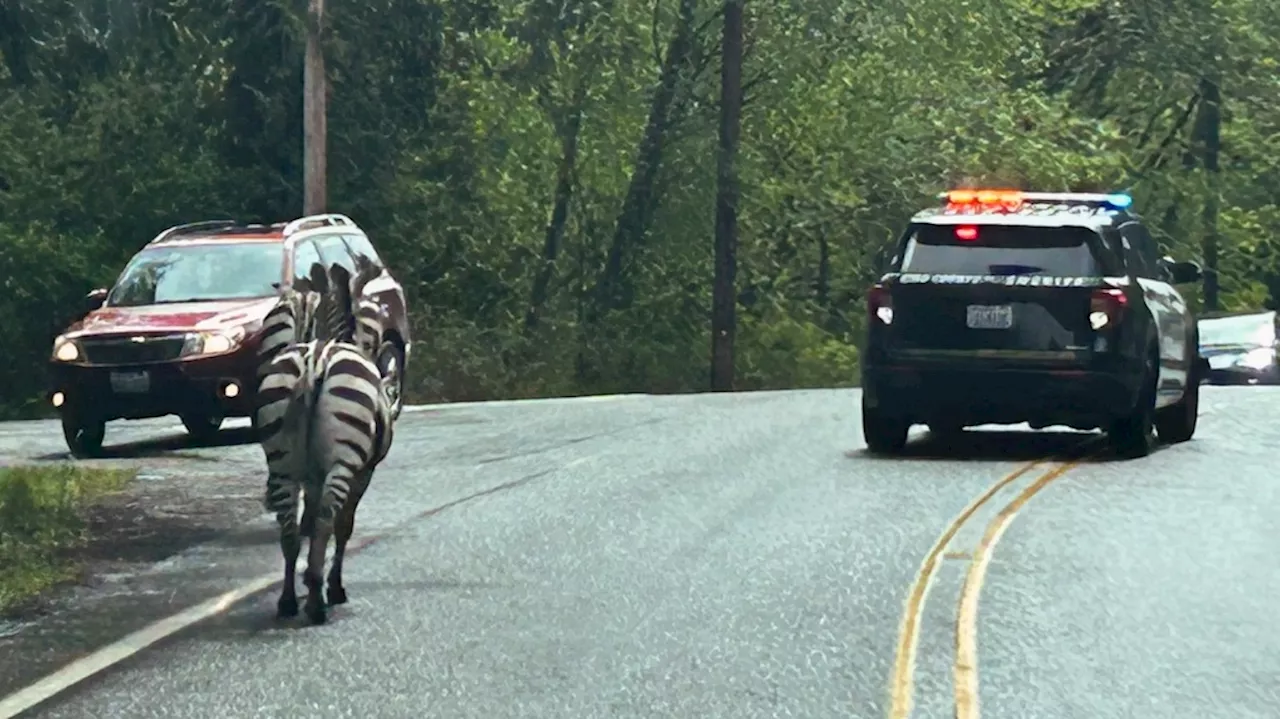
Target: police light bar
[[1012, 199], [983, 197], [1116, 200]]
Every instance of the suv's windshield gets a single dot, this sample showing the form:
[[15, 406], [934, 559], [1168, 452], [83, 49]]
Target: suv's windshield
[[1252, 330], [1002, 250], [196, 272]]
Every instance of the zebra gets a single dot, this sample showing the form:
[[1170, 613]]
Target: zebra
[[325, 424], [280, 414], [351, 433]]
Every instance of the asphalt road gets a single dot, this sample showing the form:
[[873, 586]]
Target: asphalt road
[[738, 556]]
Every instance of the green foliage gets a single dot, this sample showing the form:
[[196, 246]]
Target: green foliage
[[495, 152], [779, 350], [41, 518]]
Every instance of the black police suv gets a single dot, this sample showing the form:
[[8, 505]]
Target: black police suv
[[1005, 307]]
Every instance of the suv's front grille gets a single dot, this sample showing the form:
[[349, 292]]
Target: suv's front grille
[[135, 349]]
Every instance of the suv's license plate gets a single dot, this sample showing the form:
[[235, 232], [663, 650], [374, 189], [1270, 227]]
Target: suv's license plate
[[990, 317], [130, 382]]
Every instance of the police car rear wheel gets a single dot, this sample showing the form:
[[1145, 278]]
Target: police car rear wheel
[[883, 434], [1177, 422], [1133, 436]]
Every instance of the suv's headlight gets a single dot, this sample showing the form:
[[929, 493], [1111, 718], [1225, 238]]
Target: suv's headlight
[[213, 343], [1260, 358], [65, 350]]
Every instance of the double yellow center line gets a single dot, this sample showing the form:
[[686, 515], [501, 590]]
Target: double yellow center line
[[965, 667]]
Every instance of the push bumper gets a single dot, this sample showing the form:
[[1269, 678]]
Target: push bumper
[[222, 386], [969, 396], [1241, 375]]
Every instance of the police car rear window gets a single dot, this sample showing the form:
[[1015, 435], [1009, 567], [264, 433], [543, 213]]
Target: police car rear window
[[1002, 250]]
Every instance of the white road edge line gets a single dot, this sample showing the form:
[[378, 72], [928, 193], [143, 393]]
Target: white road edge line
[[240, 422], [118, 651], [132, 644], [516, 402]]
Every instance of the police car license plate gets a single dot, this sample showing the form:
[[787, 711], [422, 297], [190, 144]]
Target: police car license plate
[[990, 317], [131, 382]]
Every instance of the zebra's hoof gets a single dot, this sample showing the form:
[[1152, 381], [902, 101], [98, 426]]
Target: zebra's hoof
[[287, 608], [337, 595], [316, 610]]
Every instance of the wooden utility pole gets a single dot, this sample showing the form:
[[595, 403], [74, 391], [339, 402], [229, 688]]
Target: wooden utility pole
[[723, 295], [315, 90], [1209, 139]]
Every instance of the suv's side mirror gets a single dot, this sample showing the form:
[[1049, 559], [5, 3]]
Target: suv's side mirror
[[1181, 273], [94, 299]]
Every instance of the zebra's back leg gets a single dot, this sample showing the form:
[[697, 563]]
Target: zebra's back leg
[[282, 498], [343, 526], [318, 527]]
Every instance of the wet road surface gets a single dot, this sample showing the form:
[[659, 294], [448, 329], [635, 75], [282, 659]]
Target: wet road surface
[[739, 556]]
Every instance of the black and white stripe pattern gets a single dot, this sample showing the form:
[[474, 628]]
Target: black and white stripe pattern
[[290, 321], [368, 327], [351, 433], [324, 425], [285, 385]]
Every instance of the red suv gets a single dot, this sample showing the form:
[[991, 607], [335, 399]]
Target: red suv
[[179, 331]]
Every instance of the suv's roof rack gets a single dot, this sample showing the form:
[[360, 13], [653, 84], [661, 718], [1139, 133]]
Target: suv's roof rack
[[313, 221], [192, 228]]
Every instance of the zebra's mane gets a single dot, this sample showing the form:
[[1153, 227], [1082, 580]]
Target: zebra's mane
[[323, 305], [336, 320], [366, 272]]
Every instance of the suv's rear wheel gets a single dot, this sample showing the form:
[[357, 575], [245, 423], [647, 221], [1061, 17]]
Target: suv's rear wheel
[[84, 436], [883, 434], [1133, 436], [391, 365], [202, 426]]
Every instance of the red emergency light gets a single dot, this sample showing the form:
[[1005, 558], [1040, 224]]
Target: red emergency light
[[966, 233], [978, 199]]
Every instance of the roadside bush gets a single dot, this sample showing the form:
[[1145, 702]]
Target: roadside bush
[[41, 518]]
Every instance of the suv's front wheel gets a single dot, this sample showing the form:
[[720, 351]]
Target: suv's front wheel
[[201, 426], [84, 436]]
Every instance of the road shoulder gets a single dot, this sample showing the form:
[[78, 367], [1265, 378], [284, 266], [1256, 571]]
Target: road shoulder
[[185, 527]]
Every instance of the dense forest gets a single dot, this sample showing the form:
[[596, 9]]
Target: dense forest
[[541, 174]]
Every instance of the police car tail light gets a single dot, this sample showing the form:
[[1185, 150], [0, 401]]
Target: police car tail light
[[880, 305], [1106, 307], [967, 233]]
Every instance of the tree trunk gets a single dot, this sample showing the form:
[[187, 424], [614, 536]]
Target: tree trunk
[[314, 101], [724, 300], [637, 208], [15, 44], [1209, 132], [823, 290], [559, 211]]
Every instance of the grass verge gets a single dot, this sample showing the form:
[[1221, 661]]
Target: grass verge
[[42, 519]]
